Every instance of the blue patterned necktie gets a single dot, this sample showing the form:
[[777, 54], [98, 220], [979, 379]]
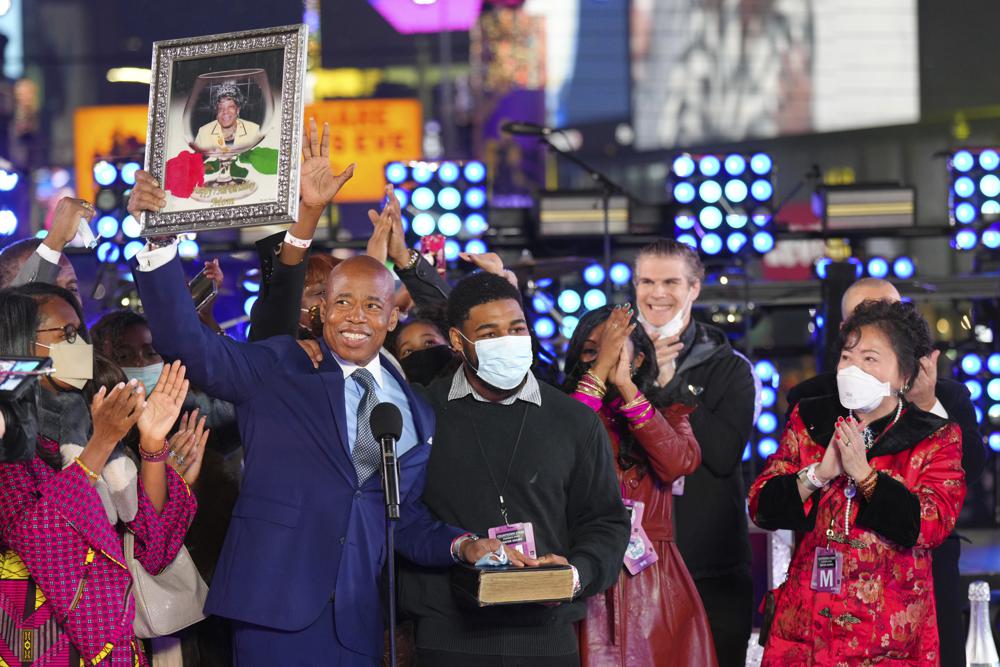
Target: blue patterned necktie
[[367, 452]]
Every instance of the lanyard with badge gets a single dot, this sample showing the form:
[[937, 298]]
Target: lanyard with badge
[[521, 535]]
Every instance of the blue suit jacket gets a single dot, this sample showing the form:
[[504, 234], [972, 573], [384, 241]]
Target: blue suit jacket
[[302, 529]]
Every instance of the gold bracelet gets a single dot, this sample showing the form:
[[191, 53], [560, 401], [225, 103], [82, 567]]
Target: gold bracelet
[[868, 484], [641, 415], [90, 473], [589, 391], [596, 380], [635, 402]]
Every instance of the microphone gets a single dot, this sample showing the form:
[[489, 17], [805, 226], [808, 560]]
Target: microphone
[[526, 129], [387, 425]]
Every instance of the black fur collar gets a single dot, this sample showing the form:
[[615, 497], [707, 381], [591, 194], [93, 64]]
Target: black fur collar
[[819, 415]]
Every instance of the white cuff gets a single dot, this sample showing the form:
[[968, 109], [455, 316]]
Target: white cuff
[[150, 258], [576, 581], [939, 410], [48, 254], [297, 242]]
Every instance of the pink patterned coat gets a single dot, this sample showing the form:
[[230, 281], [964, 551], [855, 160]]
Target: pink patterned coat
[[54, 521]]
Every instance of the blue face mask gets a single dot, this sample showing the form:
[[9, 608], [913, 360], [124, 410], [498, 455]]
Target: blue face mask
[[503, 361], [147, 375]]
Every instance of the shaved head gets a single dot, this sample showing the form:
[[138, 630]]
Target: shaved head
[[867, 289], [359, 309]]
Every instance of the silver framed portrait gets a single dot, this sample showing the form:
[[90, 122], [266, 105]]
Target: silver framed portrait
[[225, 129]]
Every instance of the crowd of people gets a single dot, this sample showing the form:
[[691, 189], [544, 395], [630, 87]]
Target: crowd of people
[[257, 457]]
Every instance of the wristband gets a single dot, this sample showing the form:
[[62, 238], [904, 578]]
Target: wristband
[[297, 242], [90, 473], [813, 479], [456, 546], [158, 457]]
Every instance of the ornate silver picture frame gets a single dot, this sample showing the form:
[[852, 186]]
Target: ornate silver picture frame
[[225, 129]]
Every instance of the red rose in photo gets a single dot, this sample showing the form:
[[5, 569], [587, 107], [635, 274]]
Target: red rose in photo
[[184, 173]]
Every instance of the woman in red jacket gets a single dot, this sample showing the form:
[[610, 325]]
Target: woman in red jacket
[[871, 484], [653, 615]]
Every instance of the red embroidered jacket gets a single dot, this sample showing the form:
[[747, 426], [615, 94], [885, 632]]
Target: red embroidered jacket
[[884, 612], [54, 521]]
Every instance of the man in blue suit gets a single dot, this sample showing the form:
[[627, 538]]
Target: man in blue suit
[[299, 570]]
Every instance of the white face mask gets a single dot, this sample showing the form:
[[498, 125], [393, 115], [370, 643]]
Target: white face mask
[[503, 361], [73, 363], [671, 328], [860, 391], [147, 375]]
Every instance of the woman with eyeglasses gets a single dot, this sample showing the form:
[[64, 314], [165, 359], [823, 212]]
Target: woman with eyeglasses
[[65, 590]]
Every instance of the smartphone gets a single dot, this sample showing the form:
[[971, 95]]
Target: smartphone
[[17, 374], [202, 289]]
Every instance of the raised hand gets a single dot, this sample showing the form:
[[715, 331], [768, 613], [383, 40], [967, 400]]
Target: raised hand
[[66, 221], [617, 329], [162, 407], [187, 447], [388, 237], [318, 185], [114, 413], [621, 376], [922, 393], [147, 195]]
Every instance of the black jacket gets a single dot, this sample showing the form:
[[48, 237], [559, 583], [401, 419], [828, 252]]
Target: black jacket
[[276, 311], [954, 397], [711, 516]]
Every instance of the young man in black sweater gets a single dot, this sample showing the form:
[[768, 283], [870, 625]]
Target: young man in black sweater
[[510, 449]]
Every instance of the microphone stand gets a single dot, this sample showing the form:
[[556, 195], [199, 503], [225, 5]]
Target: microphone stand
[[390, 485], [608, 189]]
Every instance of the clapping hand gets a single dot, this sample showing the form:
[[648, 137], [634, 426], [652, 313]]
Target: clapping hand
[[388, 240], [850, 442], [187, 446], [318, 185], [617, 329], [114, 413], [162, 407]]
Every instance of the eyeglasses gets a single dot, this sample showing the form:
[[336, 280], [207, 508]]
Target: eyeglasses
[[69, 332]]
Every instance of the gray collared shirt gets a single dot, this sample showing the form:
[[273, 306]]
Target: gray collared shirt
[[460, 388]]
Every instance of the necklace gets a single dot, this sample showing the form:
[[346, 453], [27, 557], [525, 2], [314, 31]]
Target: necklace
[[867, 434]]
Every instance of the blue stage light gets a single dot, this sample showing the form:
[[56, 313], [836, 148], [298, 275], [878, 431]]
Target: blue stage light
[[688, 240], [128, 172], [747, 452], [761, 216], [448, 172], [709, 165], [993, 389], [991, 238], [475, 246], [760, 164], [993, 363], [990, 207], [423, 199], [8, 180], [765, 371], [989, 160], [683, 166], [737, 219], [979, 414], [474, 171], [449, 224], [763, 242], [8, 222], [107, 226], [132, 248], [767, 422], [475, 197], [131, 227], [736, 191], [684, 220], [735, 164], [710, 217], [406, 223], [422, 173], [994, 441], [105, 173], [449, 198], [451, 250], [972, 364], [766, 447], [545, 327], [993, 414], [821, 265], [736, 241], [990, 185], [423, 224], [569, 301], [40, 234], [396, 172], [569, 325], [965, 213], [594, 298], [248, 304], [108, 252], [965, 239], [859, 267], [593, 275], [710, 191], [251, 281], [820, 321], [975, 389], [964, 187], [684, 192], [761, 190], [963, 161], [188, 249], [476, 224], [403, 196], [903, 268], [542, 303], [711, 244], [767, 397], [878, 267], [620, 273]]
